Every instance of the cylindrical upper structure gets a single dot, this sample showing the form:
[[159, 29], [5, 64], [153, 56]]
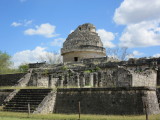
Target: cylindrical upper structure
[[84, 42]]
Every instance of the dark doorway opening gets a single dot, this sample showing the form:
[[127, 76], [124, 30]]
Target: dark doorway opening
[[75, 58]]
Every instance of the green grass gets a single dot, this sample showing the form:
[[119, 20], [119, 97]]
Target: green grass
[[24, 116]]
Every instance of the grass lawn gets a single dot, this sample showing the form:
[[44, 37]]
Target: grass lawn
[[24, 116]]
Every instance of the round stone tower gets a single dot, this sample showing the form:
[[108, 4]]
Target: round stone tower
[[84, 42]]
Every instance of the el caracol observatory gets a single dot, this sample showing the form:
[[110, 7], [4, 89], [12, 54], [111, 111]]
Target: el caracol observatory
[[83, 43]]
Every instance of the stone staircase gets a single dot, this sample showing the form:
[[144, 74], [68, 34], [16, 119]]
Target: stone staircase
[[21, 83], [24, 80], [19, 103], [10, 79]]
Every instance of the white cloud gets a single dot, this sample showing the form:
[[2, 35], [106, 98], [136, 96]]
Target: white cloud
[[142, 34], [106, 38], [16, 24], [27, 22], [46, 30], [134, 54], [39, 54], [157, 55], [134, 11], [71, 31], [22, 23], [57, 42], [137, 53], [142, 23]]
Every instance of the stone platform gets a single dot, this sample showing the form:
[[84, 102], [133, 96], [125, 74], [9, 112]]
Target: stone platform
[[116, 101]]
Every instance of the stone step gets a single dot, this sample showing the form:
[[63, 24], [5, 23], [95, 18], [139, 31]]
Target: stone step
[[34, 90], [36, 93], [24, 102], [28, 94], [29, 97], [10, 79], [20, 101], [20, 106]]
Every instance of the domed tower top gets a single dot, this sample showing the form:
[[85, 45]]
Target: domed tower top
[[87, 27], [84, 40]]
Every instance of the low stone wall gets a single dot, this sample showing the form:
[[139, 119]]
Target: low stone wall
[[117, 101], [3, 94], [145, 78], [70, 56], [36, 65], [10, 79], [99, 60]]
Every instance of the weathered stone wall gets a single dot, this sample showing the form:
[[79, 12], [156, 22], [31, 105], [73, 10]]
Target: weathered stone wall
[[10, 79], [84, 42], [98, 72], [111, 77], [106, 100], [99, 60], [3, 94], [42, 82], [151, 101], [39, 80], [158, 77], [42, 79], [69, 57], [145, 78]]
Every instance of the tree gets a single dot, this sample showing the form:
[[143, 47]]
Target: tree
[[5, 62], [51, 58], [119, 53], [23, 68]]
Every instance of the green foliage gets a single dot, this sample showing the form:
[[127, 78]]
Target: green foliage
[[92, 70], [45, 72], [64, 68], [88, 71], [97, 69], [23, 68], [5, 63], [4, 59]]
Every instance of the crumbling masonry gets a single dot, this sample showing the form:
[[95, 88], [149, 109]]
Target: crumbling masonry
[[103, 85]]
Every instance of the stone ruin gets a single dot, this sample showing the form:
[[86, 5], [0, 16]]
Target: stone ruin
[[104, 74], [103, 85], [82, 43]]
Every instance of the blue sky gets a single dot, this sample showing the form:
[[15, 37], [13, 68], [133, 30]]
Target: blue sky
[[34, 28]]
